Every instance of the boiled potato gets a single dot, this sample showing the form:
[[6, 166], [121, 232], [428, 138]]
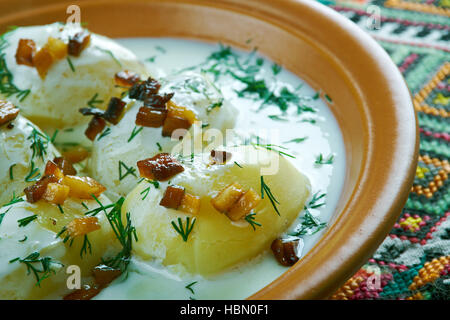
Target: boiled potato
[[39, 236], [216, 243], [121, 149], [71, 81], [17, 145]]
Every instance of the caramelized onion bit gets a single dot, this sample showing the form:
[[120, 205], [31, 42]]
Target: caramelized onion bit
[[144, 89], [35, 192], [161, 167], [87, 292], [227, 197], [158, 101], [78, 43], [56, 193], [96, 125], [76, 154], [126, 78], [244, 205], [42, 61], [114, 110], [150, 117], [285, 251], [82, 226], [8, 112], [220, 157], [104, 275], [83, 187], [25, 52], [173, 124], [65, 165], [190, 204], [172, 197]]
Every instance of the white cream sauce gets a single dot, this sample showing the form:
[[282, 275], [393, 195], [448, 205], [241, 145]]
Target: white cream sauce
[[166, 56]]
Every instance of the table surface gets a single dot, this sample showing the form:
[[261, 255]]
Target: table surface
[[413, 262]]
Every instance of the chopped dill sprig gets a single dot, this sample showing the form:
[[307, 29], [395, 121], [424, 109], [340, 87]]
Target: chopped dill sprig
[[24, 239], [276, 69], [25, 221], [11, 175], [214, 105], [39, 142], [94, 101], [250, 218], [40, 266], [34, 173], [69, 61], [277, 118], [84, 205], [184, 231], [189, 286], [237, 164], [160, 49], [328, 98], [109, 52], [321, 160], [309, 225], [296, 140], [315, 198], [265, 189], [60, 209], [13, 200], [159, 146], [275, 148], [7, 86], [86, 246], [128, 170], [104, 133], [135, 132], [146, 191]]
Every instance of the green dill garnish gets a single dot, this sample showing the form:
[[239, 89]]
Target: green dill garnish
[[276, 69], [214, 105], [124, 233], [189, 287], [159, 146], [160, 49], [310, 120], [151, 59], [135, 132], [34, 173], [41, 272], [321, 160], [184, 231], [11, 175], [275, 148], [24, 239], [296, 140], [146, 191], [328, 98], [315, 198], [104, 133], [316, 96], [13, 200], [7, 86], [109, 52], [309, 225], [84, 205], [25, 221], [277, 118], [250, 218], [39, 142], [69, 61], [86, 246], [237, 164], [60, 209], [265, 189], [128, 170], [93, 101]]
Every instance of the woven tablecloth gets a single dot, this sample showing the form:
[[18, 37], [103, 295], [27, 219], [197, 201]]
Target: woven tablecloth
[[413, 262]]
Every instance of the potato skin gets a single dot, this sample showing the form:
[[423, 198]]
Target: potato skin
[[216, 243]]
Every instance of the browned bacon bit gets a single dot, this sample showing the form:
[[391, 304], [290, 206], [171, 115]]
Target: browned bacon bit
[[65, 165], [104, 275], [171, 124], [92, 112], [76, 154], [86, 292], [172, 197], [126, 78], [8, 112], [96, 125], [143, 89], [220, 157], [25, 52], [161, 167], [52, 169], [114, 110], [36, 191], [78, 43], [285, 251], [151, 117], [158, 101]]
